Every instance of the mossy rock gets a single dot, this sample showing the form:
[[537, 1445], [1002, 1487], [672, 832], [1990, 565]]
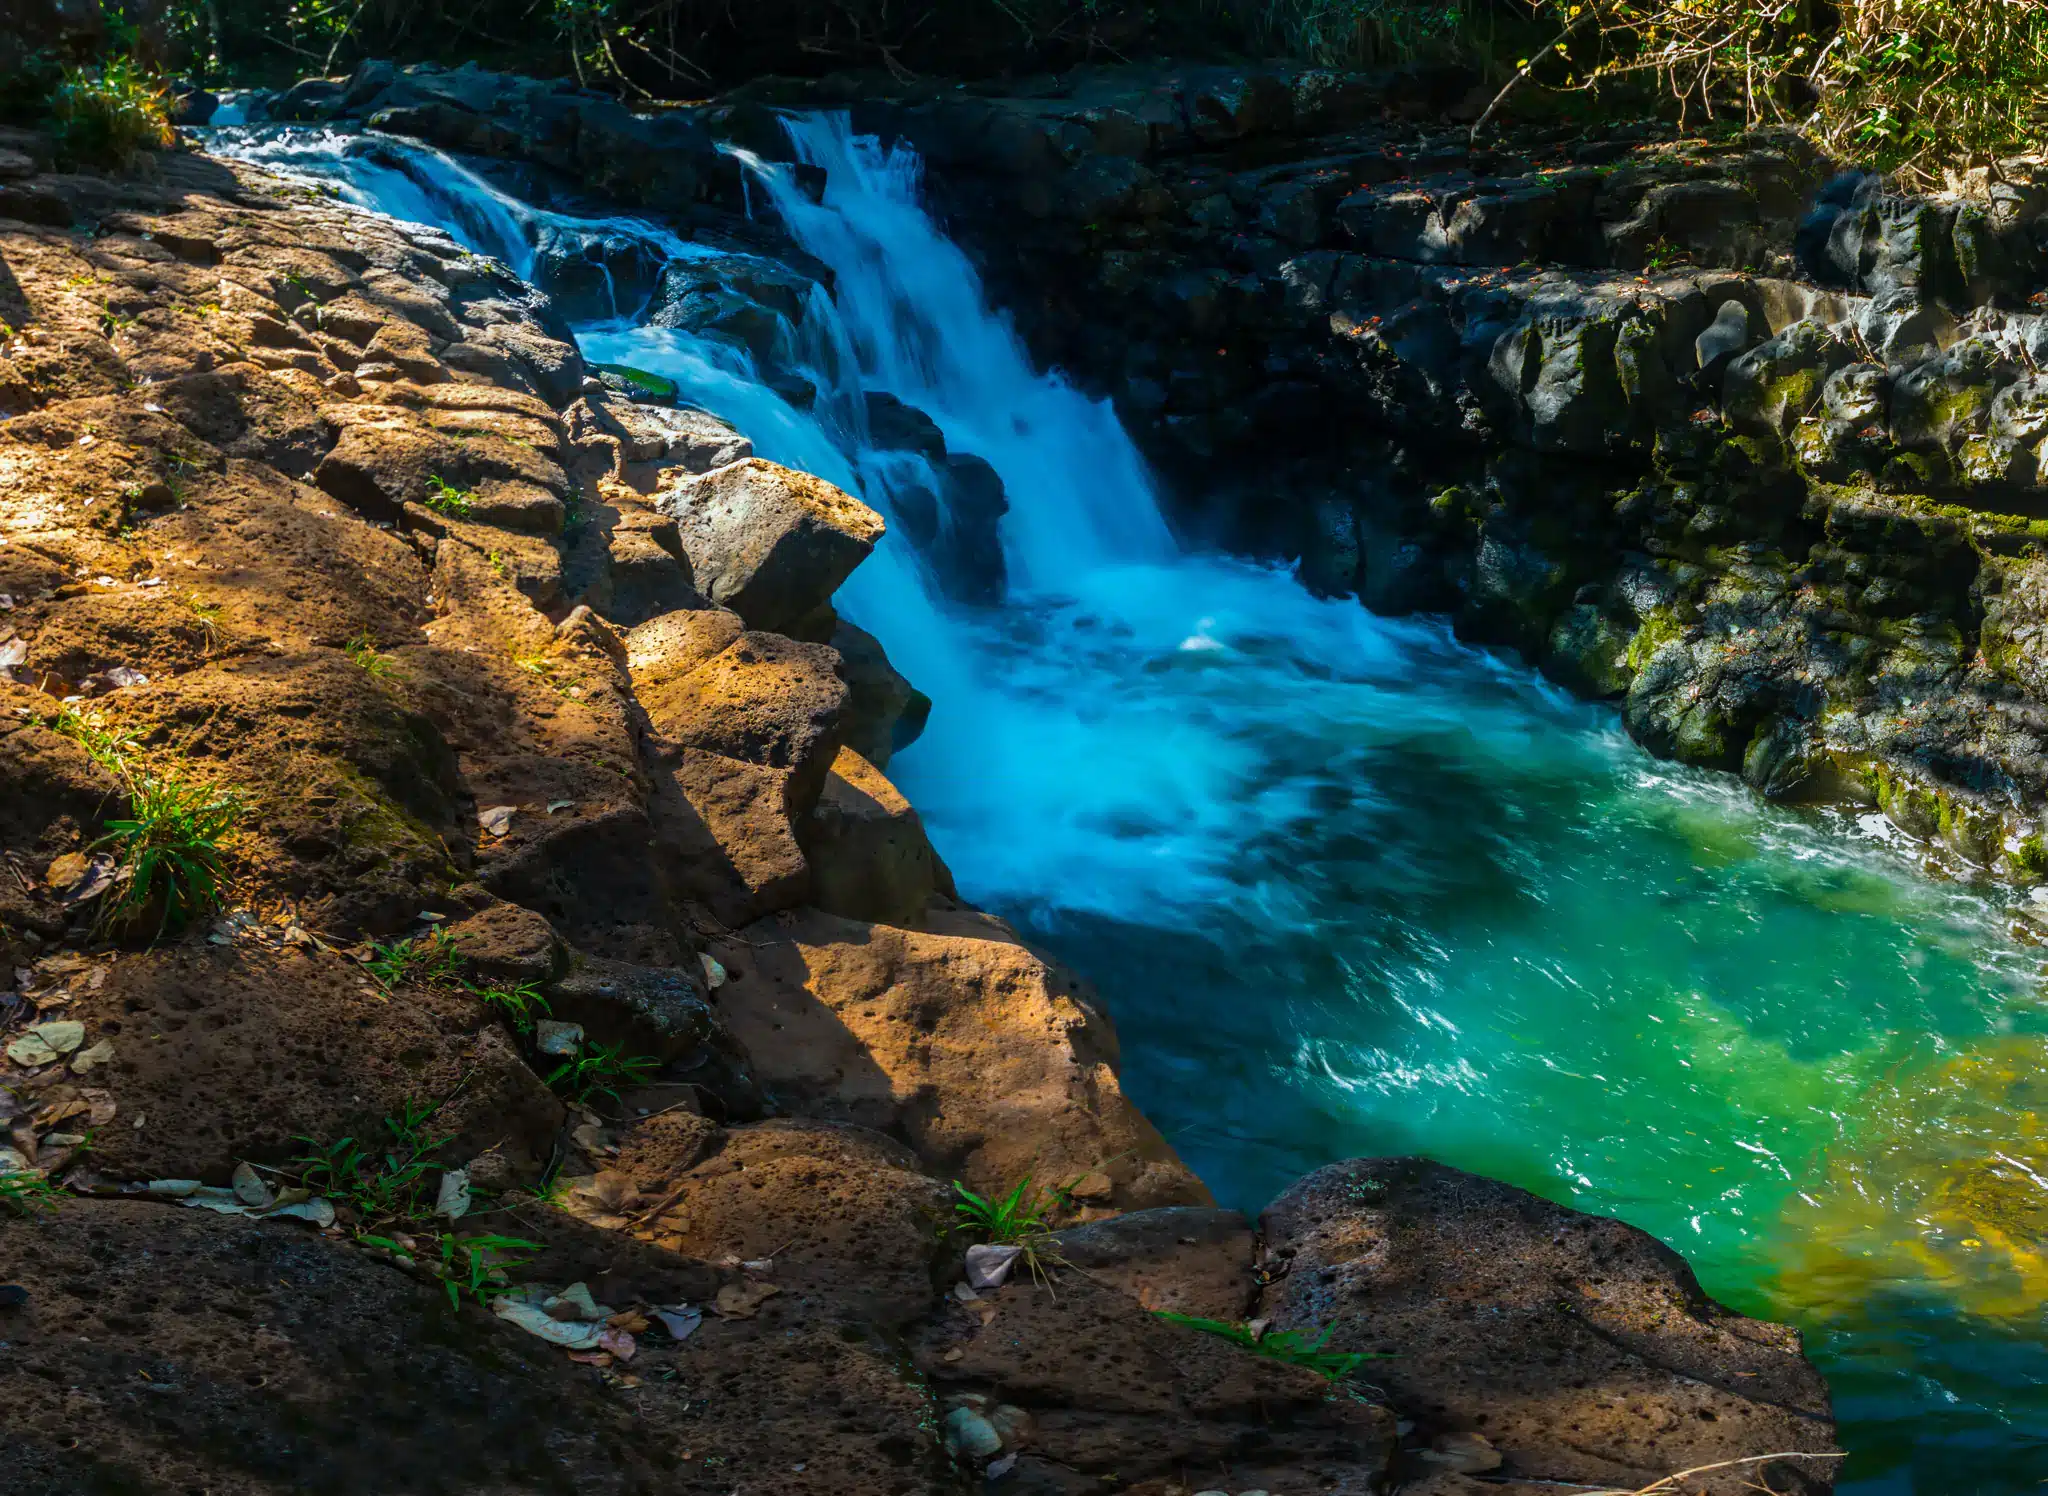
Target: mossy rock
[[1589, 653]]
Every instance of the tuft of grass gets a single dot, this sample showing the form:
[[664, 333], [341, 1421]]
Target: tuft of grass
[[444, 497], [106, 745], [1295, 1347], [600, 1070], [1018, 1219], [1015, 1220], [426, 958], [206, 617], [27, 1192], [112, 114], [169, 849], [380, 1180], [521, 1004], [472, 1266], [362, 653], [480, 1272]]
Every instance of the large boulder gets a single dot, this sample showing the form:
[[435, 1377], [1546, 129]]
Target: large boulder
[[244, 1356], [748, 301], [1180, 1259], [886, 712], [991, 1063], [849, 1220], [749, 724], [1775, 385], [763, 699], [869, 855], [770, 543], [593, 271], [1583, 1349]]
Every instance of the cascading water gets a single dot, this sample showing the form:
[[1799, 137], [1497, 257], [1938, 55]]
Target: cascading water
[[1351, 887]]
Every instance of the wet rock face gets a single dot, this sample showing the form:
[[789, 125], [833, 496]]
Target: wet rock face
[[949, 504], [1582, 1349]]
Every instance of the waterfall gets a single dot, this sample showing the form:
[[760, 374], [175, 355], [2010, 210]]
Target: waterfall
[[1115, 734]]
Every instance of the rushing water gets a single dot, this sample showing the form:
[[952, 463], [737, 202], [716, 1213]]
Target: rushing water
[[1351, 887]]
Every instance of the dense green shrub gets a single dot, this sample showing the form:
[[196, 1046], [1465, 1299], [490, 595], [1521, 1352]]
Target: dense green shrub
[[110, 113], [1909, 85]]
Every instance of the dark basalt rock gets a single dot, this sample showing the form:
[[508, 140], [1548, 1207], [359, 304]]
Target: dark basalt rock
[[1581, 1348]]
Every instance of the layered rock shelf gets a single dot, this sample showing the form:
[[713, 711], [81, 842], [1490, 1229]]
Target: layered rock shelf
[[529, 696]]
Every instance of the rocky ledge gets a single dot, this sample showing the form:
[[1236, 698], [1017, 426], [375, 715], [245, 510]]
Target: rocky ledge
[[543, 754]]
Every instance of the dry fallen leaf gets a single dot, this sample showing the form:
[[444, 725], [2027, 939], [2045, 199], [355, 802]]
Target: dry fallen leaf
[[44, 1042], [88, 1059], [497, 820], [78, 876], [59, 1111], [680, 1320], [452, 1199], [250, 1189], [741, 1300]]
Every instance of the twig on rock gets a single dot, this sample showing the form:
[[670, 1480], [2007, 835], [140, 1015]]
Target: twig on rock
[[1669, 1483]]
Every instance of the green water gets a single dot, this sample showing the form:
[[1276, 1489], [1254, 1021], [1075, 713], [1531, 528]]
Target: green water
[[1489, 930]]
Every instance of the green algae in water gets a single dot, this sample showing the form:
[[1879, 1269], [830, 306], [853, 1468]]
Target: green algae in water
[[1763, 1037]]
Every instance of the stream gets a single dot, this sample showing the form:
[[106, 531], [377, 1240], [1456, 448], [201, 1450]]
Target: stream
[[1351, 887]]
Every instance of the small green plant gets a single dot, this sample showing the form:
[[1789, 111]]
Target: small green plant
[[110, 115], [480, 1270], [444, 497], [362, 653], [427, 958], [24, 1192], [599, 1071], [206, 617], [522, 1004], [1292, 1346], [381, 1182], [1019, 1219], [168, 846], [1664, 254], [104, 744]]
